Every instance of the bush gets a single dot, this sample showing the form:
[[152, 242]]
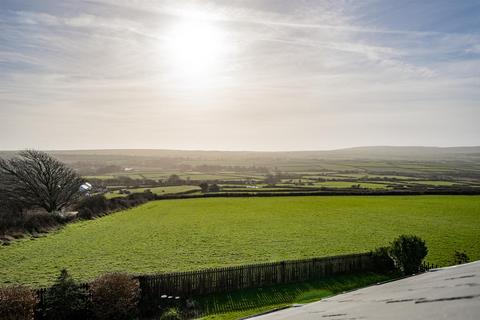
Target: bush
[[204, 187], [171, 314], [44, 221], [214, 188], [460, 257], [90, 207], [382, 260], [17, 303], [23, 222], [98, 205], [408, 251], [115, 296], [65, 299]]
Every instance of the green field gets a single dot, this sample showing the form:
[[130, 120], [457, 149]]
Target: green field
[[435, 183], [407, 169], [156, 190], [173, 235], [344, 184]]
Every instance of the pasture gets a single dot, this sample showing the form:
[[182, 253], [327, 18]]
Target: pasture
[[155, 190], [179, 235]]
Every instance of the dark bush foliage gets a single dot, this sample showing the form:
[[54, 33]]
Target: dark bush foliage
[[65, 300], [203, 186], [90, 207], [408, 251], [14, 220], [23, 222], [98, 205], [460, 257], [171, 314], [115, 297], [17, 303], [382, 260]]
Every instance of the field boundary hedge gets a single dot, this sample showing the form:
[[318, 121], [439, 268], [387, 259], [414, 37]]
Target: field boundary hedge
[[325, 192]]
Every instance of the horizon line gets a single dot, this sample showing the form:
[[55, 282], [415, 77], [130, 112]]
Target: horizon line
[[252, 151]]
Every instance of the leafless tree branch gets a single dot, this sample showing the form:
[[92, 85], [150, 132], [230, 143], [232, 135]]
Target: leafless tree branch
[[36, 179]]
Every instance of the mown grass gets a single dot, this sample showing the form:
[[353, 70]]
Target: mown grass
[[243, 303], [175, 235]]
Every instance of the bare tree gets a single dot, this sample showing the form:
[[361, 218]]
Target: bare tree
[[36, 179]]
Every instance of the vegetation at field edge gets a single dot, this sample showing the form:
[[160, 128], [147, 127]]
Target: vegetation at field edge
[[180, 235]]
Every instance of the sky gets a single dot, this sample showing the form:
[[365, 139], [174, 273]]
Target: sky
[[238, 75]]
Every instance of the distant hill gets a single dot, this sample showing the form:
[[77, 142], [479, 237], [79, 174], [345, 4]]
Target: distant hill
[[357, 153], [403, 153]]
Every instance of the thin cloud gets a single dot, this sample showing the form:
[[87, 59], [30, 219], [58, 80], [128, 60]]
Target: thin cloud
[[319, 70]]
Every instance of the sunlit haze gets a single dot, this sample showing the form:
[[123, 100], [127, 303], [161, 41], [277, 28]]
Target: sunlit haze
[[238, 75], [195, 49]]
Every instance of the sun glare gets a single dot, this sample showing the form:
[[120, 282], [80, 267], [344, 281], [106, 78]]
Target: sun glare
[[195, 48]]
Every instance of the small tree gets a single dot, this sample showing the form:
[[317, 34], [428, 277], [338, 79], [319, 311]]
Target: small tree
[[204, 187], [174, 180], [408, 251], [36, 179], [17, 303], [65, 300], [115, 296]]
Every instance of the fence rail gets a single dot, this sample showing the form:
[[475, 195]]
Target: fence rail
[[195, 283], [427, 266], [155, 287]]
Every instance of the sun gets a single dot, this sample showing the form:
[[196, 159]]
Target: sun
[[195, 48]]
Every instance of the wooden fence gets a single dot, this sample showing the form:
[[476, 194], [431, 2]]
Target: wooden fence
[[157, 287], [197, 283]]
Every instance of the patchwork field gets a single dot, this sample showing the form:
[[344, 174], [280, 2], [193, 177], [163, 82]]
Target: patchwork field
[[175, 235], [156, 190]]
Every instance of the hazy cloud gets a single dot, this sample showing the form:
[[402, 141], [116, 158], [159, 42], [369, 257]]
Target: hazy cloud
[[291, 75]]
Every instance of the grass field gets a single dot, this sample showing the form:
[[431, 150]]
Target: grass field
[[242, 303], [435, 183], [173, 235], [156, 190], [344, 184]]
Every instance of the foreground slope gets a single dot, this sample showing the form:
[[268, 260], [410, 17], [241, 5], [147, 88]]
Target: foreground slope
[[449, 293], [173, 235]]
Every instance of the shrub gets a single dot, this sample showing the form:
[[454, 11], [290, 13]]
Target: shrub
[[213, 188], [408, 251], [21, 222], [90, 207], [43, 221], [204, 187], [94, 206], [65, 299], [171, 314], [142, 196], [115, 296], [460, 257], [17, 303], [382, 260]]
